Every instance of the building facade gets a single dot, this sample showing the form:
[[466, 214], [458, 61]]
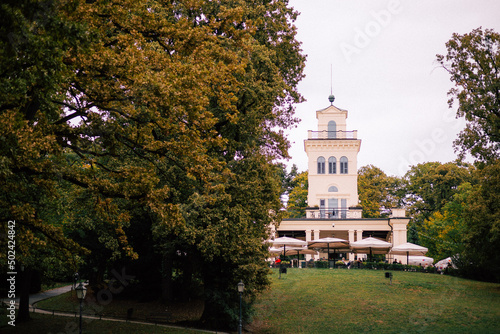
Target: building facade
[[334, 209]]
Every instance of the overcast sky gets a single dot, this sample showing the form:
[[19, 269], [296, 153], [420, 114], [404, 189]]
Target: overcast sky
[[384, 71]]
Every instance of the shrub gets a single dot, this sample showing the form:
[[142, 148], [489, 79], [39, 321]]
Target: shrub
[[321, 264]]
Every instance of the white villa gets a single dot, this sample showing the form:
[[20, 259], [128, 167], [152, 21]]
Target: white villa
[[334, 208]]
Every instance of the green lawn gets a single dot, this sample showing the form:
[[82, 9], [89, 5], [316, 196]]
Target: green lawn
[[117, 308], [323, 301], [358, 301], [43, 324]]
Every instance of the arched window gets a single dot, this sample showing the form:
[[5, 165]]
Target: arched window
[[332, 129], [333, 189], [321, 165], [332, 165], [343, 165]]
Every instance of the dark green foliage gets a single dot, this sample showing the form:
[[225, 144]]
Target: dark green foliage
[[297, 197], [156, 124], [473, 62]]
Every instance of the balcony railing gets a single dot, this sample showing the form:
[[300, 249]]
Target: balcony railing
[[332, 134], [350, 213]]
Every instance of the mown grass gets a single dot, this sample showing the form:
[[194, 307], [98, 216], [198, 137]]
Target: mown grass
[[325, 301], [360, 301], [179, 312], [43, 324]]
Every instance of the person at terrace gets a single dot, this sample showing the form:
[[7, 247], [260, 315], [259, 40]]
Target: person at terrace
[[346, 263]]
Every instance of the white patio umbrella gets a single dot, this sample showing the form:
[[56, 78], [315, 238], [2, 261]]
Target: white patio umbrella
[[420, 260], [275, 250], [371, 246], [444, 263], [334, 243], [287, 241], [408, 249], [328, 242], [297, 251], [292, 251]]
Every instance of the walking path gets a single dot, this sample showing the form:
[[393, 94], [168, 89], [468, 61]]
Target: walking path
[[34, 298], [49, 294], [42, 295], [73, 315]]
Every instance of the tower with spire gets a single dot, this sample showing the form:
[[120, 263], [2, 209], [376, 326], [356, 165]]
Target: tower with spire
[[332, 152], [333, 202]]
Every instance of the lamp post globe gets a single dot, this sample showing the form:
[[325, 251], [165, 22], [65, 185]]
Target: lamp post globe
[[241, 287], [81, 291]]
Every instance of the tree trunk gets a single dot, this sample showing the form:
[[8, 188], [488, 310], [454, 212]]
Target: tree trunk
[[209, 315], [217, 304], [166, 280], [187, 278]]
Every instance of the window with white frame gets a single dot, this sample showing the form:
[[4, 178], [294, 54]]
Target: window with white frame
[[344, 165], [332, 165], [321, 165]]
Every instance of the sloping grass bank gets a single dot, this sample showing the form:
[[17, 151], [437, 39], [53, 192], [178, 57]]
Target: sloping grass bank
[[119, 308], [46, 324], [357, 301]]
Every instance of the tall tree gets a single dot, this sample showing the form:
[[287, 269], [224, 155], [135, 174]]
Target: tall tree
[[443, 232], [378, 192], [177, 106], [34, 38], [287, 179], [297, 199], [473, 61], [467, 226], [428, 187], [480, 258]]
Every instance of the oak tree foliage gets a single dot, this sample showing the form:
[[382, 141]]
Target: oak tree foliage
[[428, 187], [473, 62], [297, 198], [378, 193], [178, 107]]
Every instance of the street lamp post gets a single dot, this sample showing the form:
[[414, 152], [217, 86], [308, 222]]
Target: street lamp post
[[241, 288], [81, 291]]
